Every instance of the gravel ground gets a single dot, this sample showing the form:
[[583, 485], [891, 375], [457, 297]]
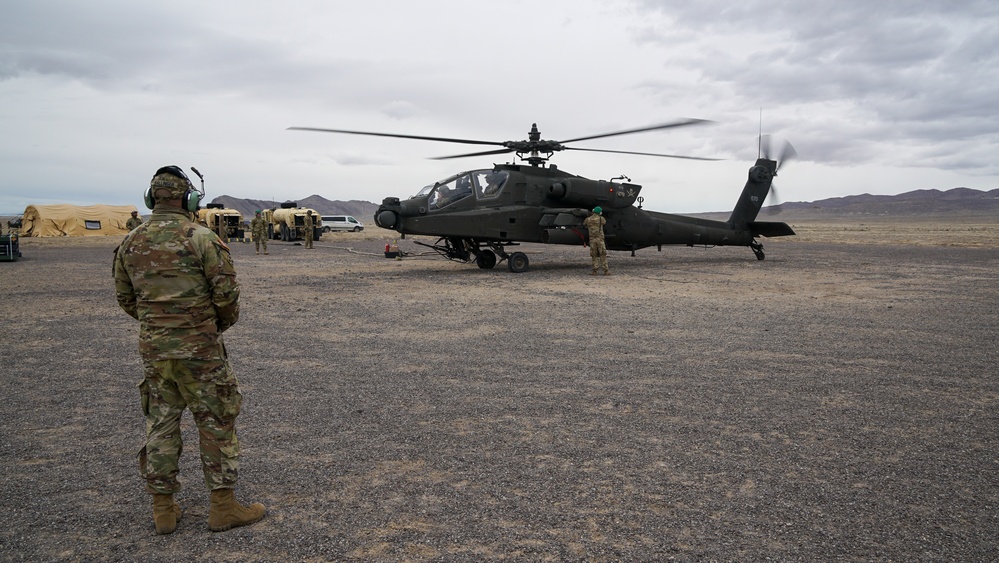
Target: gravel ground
[[833, 402]]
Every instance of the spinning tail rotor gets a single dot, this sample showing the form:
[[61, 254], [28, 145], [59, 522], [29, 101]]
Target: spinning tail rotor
[[781, 152]]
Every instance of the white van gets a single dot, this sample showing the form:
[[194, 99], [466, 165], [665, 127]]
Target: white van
[[341, 223]]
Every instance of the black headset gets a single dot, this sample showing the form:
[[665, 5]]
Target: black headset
[[191, 198]]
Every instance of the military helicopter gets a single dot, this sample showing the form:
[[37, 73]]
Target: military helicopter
[[478, 214]]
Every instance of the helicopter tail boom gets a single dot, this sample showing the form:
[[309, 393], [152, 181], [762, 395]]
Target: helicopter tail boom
[[757, 187]]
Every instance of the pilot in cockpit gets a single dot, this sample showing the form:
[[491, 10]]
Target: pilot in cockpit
[[493, 183]]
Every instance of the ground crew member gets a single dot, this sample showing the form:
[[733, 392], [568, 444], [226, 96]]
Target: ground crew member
[[258, 230], [177, 278], [309, 228], [133, 221], [222, 231], [598, 250]]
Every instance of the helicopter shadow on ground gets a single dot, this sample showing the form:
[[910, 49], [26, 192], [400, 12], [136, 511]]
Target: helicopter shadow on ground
[[545, 258], [572, 261]]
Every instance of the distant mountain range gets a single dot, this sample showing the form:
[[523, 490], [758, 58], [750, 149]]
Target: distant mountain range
[[909, 203], [956, 201], [963, 202], [363, 211]]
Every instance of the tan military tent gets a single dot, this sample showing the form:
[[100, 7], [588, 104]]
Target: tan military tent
[[75, 220]]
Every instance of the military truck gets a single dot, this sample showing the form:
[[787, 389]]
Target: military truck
[[228, 223], [287, 222]]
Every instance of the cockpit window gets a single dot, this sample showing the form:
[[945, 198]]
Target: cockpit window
[[455, 189], [483, 183], [489, 183]]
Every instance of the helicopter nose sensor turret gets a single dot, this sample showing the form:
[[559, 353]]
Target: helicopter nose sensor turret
[[387, 216], [386, 219]]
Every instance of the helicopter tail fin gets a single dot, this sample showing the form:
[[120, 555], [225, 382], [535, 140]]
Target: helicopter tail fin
[[757, 187]]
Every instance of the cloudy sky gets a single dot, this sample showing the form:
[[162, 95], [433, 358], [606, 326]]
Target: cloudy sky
[[876, 97]]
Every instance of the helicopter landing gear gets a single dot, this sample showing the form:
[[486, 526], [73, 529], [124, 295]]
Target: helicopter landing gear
[[518, 262], [486, 259], [757, 250], [466, 250]]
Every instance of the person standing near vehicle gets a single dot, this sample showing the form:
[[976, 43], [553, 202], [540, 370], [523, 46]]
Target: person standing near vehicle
[[310, 225], [133, 221], [258, 230], [177, 279], [598, 250]]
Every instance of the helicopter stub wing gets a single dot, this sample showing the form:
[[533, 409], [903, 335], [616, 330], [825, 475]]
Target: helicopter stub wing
[[562, 217], [770, 229]]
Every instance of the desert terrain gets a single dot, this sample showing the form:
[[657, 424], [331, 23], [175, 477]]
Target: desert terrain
[[836, 401]]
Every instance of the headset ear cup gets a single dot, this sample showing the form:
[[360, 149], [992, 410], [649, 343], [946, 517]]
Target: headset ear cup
[[192, 199], [148, 198]]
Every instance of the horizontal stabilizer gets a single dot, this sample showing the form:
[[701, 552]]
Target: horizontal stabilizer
[[770, 229]]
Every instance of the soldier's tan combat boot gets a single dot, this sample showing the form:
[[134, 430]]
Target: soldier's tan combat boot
[[226, 512], [166, 513]]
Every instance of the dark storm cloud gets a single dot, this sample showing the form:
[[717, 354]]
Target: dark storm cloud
[[927, 72]]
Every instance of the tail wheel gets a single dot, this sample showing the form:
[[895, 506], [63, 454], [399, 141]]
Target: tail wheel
[[518, 262]]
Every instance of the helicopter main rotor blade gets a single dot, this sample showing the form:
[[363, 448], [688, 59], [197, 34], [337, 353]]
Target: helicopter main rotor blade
[[484, 153], [644, 154], [395, 135], [678, 123]]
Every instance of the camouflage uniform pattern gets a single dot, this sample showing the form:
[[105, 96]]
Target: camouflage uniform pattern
[[258, 230], [598, 250], [178, 280], [133, 223], [309, 229]]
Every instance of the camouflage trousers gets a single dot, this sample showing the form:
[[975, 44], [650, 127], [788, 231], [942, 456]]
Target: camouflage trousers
[[208, 388], [598, 253], [308, 238], [258, 240]]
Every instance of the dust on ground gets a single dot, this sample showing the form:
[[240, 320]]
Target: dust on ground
[[834, 401]]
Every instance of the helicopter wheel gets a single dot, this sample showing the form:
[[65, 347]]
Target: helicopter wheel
[[518, 262], [758, 250], [486, 259]]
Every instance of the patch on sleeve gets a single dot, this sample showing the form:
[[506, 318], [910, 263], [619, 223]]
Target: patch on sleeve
[[226, 267]]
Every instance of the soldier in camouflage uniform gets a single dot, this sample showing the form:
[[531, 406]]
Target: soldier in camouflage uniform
[[177, 278], [258, 230], [309, 228], [133, 221], [598, 250]]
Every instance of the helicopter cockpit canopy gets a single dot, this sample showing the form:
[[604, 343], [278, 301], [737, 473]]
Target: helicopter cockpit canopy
[[483, 184]]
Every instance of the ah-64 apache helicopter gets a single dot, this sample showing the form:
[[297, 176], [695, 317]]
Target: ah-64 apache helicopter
[[477, 214]]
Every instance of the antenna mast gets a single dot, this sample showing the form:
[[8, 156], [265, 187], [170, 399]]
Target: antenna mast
[[759, 140]]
